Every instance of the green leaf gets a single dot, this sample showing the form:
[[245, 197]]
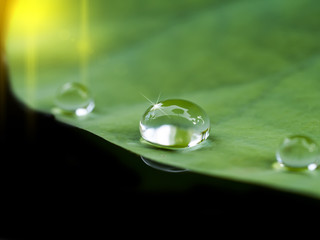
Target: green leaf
[[254, 66]]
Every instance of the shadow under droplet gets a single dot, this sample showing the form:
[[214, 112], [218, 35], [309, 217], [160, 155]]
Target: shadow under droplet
[[161, 166], [281, 167], [78, 113], [204, 144]]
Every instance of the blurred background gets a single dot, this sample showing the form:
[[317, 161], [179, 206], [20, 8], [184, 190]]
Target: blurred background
[[51, 180]]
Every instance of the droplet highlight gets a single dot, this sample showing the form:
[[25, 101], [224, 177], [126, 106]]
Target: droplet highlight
[[298, 152], [175, 123], [74, 98]]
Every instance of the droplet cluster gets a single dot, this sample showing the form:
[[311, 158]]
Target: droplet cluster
[[179, 124]]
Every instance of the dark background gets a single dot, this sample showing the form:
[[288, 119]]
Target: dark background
[[54, 177]]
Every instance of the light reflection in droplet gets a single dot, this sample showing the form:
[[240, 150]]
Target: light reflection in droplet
[[174, 124]]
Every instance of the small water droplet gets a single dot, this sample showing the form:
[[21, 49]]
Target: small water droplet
[[175, 123], [298, 152], [74, 98]]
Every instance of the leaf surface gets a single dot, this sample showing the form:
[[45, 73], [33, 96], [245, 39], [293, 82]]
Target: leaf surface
[[254, 66]]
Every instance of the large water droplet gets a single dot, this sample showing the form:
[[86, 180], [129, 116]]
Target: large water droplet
[[298, 152], [175, 123], [74, 98]]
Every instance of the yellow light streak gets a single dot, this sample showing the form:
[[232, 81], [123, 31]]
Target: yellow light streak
[[34, 24], [37, 27], [31, 67], [29, 18], [32, 15], [84, 41]]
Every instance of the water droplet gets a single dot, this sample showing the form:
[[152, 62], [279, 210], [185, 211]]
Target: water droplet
[[298, 152], [74, 98], [161, 166], [175, 123]]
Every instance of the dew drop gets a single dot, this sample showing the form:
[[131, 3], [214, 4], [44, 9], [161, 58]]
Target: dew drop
[[74, 98], [298, 152], [175, 123]]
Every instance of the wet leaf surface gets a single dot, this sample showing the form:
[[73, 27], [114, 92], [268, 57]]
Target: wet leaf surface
[[252, 65]]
